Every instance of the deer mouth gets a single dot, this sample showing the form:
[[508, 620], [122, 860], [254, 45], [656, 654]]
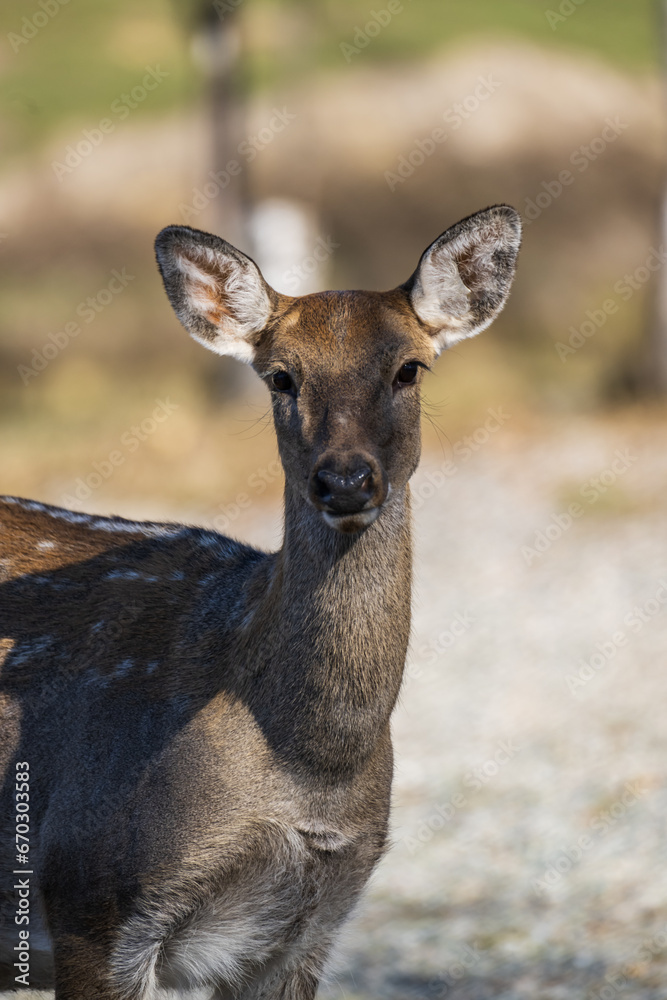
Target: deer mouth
[[347, 524]]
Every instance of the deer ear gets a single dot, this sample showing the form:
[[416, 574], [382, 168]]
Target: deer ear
[[464, 277], [217, 292]]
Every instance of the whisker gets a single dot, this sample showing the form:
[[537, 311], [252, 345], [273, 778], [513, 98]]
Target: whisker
[[261, 422], [432, 410]]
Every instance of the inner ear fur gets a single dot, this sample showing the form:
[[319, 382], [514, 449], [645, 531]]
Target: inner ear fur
[[217, 292], [463, 278]]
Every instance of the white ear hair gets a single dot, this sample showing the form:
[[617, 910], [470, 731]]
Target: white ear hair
[[464, 277], [217, 292]]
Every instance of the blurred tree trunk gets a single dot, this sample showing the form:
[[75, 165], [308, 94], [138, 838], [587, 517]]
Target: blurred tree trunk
[[656, 355], [219, 45], [215, 29]]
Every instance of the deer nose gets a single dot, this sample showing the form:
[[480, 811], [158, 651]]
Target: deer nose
[[344, 492]]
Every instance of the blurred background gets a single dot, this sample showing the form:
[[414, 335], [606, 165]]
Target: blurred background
[[333, 142]]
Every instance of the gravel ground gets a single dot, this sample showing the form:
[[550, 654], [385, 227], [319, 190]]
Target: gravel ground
[[529, 856], [529, 853]]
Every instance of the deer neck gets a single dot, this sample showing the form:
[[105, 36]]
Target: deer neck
[[342, 610]]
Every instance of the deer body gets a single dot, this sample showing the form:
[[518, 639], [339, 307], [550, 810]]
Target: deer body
[[206, 725]]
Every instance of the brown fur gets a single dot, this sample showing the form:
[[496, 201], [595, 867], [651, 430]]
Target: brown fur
[[207, 726]]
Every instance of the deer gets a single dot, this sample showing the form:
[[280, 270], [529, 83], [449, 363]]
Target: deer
[[195, 739]]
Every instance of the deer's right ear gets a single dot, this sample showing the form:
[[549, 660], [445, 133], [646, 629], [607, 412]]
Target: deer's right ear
[[217, 292]]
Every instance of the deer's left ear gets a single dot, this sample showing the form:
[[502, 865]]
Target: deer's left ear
[[464, 277]]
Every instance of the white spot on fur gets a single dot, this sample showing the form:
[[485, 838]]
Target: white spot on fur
[[70, 515], [34, 505], [152, 666], [46, 543], [123, 574], [123, 668], [131, 574], [208, 541], [220, 544], [28, 648], [148, 528]]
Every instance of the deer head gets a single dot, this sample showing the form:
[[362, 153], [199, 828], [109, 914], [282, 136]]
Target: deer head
[[344, 368]]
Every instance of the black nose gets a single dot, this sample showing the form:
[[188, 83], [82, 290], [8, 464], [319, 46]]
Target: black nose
[[344, 493]]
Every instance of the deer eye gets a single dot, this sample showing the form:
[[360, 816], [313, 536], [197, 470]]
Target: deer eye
[[407, 373], [282, 382]]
